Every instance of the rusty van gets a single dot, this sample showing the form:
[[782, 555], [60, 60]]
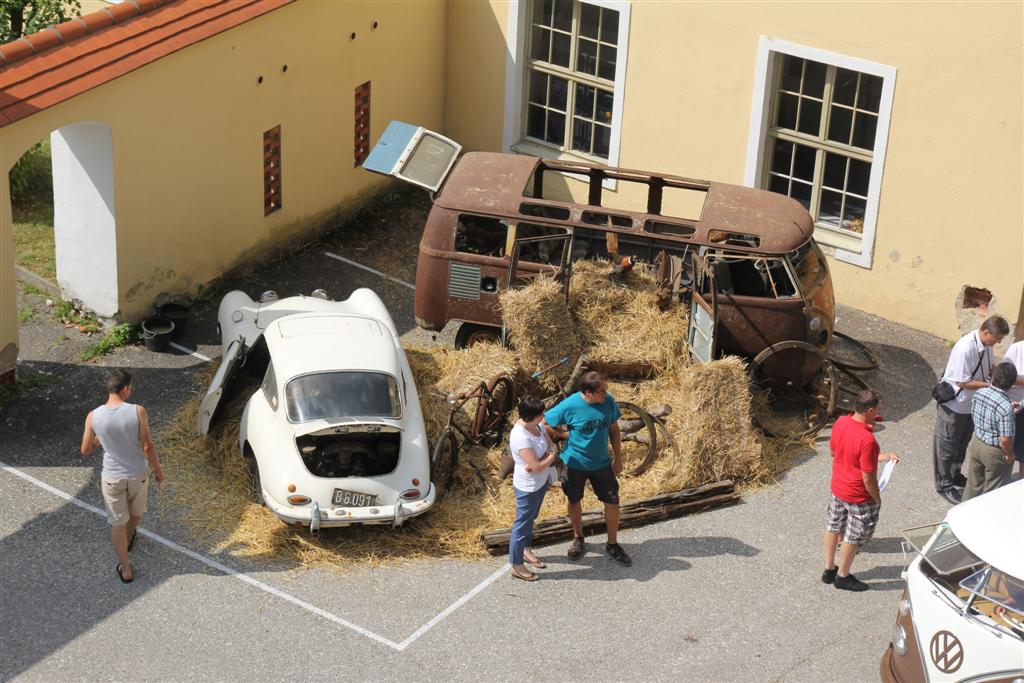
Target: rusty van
[[760, 284]]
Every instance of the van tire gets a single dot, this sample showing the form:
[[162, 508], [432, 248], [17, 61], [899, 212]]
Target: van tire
[[471, 333]]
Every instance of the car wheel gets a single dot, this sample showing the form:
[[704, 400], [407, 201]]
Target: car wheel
[[471, 333], [253, 468]]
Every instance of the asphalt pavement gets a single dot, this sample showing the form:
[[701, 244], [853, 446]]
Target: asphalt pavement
[[727, 595]]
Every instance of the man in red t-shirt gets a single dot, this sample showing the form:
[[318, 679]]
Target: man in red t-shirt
[[854, 501]]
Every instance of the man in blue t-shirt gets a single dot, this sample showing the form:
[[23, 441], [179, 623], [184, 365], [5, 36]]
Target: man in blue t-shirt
[[588, 419]]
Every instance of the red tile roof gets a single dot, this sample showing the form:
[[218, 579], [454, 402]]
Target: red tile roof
[[53, 65]]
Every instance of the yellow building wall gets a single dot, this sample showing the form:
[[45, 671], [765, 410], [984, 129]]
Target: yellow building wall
[[188, 138], [952, 194]]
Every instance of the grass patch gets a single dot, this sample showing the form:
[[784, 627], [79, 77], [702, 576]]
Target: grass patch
[[34, 246], [26, 314], [9, 392], [65, 312], [27, 288], [121, 335]]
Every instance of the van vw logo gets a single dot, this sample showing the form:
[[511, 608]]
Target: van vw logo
[[947, 652]]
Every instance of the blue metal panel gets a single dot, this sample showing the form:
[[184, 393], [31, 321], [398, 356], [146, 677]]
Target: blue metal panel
[[385, 154]]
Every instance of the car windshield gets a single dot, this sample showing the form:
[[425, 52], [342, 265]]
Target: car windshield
[[998, 587], [940, 548], [342, 394]]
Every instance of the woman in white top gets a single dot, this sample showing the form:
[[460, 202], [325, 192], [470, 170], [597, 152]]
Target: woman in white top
[[534, 456]]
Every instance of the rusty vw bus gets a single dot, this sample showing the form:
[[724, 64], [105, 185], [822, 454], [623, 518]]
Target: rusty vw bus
[[759, 286]]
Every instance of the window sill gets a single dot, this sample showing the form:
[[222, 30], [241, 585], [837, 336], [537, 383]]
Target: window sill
[[837, 239]]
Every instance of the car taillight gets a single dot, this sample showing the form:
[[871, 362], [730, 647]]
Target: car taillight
[[410, 494], [298, 500]]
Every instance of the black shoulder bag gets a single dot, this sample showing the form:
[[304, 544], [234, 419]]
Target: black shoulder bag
[[943, 392]]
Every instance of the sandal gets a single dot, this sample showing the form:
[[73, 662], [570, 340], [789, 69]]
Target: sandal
[[535, 562], [528, 576], [121, 576]]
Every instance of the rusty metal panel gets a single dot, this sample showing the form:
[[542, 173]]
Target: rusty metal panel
[[362, 124], [463, 281], [272, 170]]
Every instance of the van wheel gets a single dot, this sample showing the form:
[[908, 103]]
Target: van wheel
[[471, 333], [253, 470]]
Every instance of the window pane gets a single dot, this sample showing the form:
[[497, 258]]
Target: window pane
[[853, 217], [541, 44], [831, 204], [870, 93], [782, 155], [787, 112], [560, 49], [604, 106], [814, 79], [535, 122], [584, 100], [556, 128], [602, 140], [804, 165], [610, 26], [810, 116], [559, 93], [538, 87], [802, 193], [778, 184], [860, 173], [542, 12], [835, 171], [791, 70], [589, 18], [563, 14], [839, 125], [581, 135], [864, 130], [846, 87], [606, 63], [586, 56]]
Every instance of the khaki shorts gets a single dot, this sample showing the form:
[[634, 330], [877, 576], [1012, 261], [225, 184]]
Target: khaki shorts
[[122, 497]]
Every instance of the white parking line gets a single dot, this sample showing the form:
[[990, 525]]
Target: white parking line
[[368, 268], [190, 352], [266, 587]]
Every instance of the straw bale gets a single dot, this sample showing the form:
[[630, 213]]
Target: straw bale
[[541, 329]]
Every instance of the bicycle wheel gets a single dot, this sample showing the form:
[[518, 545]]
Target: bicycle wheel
[[443, 463], [492, 410], [640, 446]]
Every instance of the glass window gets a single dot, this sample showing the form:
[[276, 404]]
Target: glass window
[[821, 140], [330, 395], [270, 386], [571, 75], [481, 235]]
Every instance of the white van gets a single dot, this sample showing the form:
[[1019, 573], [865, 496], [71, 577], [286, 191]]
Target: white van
[[961, 617]]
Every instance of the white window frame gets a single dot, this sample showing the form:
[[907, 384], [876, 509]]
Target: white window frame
[[838, 245], [513, 139]]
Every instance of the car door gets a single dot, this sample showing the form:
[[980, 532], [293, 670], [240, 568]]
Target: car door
[[219, 386], [413, 154], [701, 334]]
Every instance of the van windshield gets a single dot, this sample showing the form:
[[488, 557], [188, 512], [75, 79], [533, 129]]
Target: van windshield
[[999, 588], [809, 265], [941, 549]]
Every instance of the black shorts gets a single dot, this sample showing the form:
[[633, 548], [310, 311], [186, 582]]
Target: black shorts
[[603, 481]]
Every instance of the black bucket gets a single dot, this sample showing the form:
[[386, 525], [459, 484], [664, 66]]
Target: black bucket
[[176, 313], [157, 332]]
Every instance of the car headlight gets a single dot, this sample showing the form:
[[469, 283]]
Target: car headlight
[[899, 640], [814, 324]]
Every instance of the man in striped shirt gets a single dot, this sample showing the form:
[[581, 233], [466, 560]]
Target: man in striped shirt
[[990, 455]]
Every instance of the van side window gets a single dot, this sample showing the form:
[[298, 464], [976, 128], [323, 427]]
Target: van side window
[[480, 235], [549, 253]]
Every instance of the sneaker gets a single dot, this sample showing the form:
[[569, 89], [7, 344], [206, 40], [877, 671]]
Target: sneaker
[[850, 583], [829, 575], [951, 495], [576, 548], [616, 552]]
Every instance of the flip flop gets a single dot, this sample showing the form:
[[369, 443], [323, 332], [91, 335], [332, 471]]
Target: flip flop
[[538, 563], [121, 576], [529, 576], [131, 541]]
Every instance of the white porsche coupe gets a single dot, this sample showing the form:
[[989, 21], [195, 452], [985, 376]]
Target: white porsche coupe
[[334, 436]]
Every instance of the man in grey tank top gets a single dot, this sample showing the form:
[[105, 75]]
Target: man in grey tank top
[[122, 429]]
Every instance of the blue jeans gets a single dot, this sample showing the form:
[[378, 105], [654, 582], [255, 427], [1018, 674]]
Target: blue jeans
[[527, 507]]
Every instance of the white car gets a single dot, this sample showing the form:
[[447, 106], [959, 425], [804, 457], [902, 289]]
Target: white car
[[961, 617], [334, 435]]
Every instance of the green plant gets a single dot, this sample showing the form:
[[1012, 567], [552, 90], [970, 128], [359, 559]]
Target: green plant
[[22, 17], [9, 392], [27, 288], [64, 311], [25, 314], [120, 335], [32, 180]]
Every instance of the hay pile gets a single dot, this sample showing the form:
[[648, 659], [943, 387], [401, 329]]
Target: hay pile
[[541, 330]]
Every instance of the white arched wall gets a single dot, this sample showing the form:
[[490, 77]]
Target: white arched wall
[[83, 215]]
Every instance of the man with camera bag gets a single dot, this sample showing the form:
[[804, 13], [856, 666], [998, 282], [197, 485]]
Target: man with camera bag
[[968, 369]]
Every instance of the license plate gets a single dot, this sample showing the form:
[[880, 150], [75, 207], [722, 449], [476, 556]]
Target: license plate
[[353, 499]]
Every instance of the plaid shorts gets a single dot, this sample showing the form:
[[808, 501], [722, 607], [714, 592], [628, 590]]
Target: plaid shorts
[[857, 521]]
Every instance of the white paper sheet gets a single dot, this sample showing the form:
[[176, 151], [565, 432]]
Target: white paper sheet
[[886, 474]]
